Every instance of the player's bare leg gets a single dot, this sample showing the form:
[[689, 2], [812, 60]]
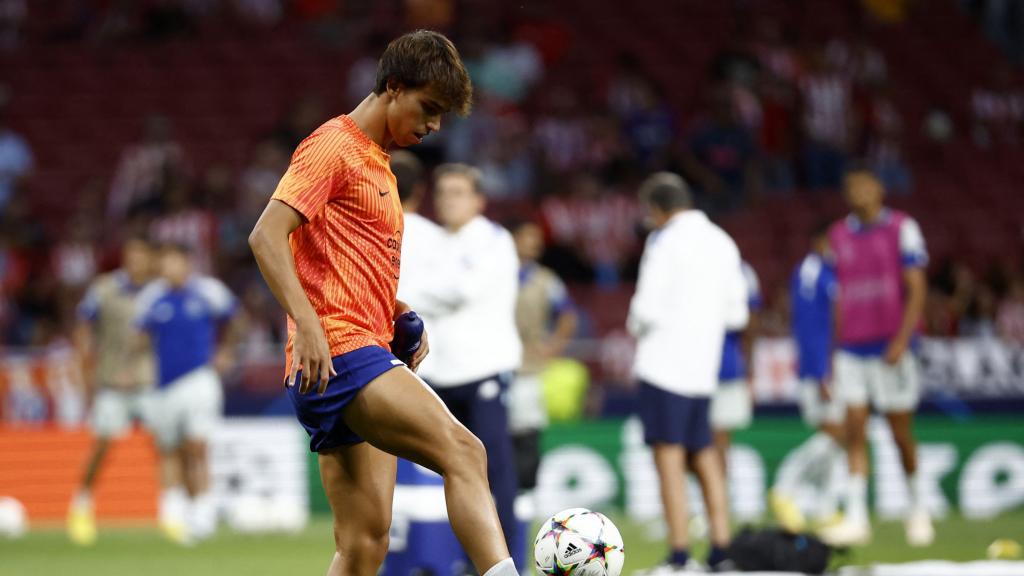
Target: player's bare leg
[[723, 440], [398, 413], [707, 465], [855, 529], [918, 523], [359, 482], [173, 499], [670, 462], [196, 467], [202, 514], [81, 518]]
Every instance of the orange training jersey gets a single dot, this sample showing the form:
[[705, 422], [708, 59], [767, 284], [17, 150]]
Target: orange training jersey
[[348, 254]]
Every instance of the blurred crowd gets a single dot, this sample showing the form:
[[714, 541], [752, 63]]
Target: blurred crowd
[[777, 114]]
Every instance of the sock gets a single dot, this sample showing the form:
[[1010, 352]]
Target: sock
[[679, 557], [202, 515], [173, 504], [82, 499], [504, 568], [917, 499], [717, 555], [857, 499]]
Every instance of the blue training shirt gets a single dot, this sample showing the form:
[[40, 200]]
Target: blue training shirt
[[183, 322], [813, 289], [734, 367]]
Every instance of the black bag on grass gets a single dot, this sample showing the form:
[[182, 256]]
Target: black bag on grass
[[771, 549]]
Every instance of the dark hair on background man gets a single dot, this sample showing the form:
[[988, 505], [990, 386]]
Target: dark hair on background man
[[423, 58], [666, 191], [408, 171]]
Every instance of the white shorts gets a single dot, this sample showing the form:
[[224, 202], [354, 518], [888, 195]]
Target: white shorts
[[113, 411], [188, 408], [526, 409], [859, 380], [816, 411], [731, 406]]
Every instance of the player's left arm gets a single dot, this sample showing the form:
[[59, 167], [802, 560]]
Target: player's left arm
[[231, 320], [914, 259]]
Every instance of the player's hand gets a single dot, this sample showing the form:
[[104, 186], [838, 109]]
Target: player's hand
[[895, 351], [311, 355], [825, 390], [223, 360], [421, 352]]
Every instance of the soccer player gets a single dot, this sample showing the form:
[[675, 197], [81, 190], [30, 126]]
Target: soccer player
[[880, 258], [476, 348], [329, 245], [690, 291], [182, 315], [546, 319], [123, 380], [813, 291], [732, 405]]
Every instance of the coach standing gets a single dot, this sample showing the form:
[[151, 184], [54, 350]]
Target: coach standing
[[689, 292]]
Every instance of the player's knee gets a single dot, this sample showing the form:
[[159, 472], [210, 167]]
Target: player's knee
[[466, 452], [366, 546]]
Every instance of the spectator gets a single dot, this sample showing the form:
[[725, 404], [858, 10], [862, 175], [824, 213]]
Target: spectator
[[595, 225], [144, 170], [183, 223], [1010, 316], [721, 157], [15, 154], [883, 134], [826, 126], [997, 110], [12, 16]]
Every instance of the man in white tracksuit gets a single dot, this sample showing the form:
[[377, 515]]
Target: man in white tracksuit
[[690, 291], [465, 288]]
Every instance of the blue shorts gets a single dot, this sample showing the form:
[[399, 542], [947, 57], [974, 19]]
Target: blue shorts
[[321, 415], [671, 418]]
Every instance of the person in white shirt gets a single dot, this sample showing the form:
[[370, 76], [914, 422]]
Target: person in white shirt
[[690, 291], [465, 289]]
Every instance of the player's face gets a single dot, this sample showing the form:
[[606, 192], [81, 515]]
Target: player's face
[[529, 242], [137, 259], [456, 202], [863, 191], [413, 114], [174, 267]]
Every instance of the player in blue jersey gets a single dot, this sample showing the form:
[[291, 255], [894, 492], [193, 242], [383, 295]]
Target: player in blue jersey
[[190, 323], [813, 290], [732, 405]]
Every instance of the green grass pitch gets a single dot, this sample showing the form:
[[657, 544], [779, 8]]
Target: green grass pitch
[[143, 552]]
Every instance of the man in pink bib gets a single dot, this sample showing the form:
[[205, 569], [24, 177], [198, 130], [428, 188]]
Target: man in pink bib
[[880, 265]]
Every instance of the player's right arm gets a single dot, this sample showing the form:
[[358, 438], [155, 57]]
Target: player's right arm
[[269, 243]]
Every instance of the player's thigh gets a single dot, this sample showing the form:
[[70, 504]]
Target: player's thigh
[[816, 410], [898, 387], [731, 406], [204, 406], [398, 413], [169, 406], [851, 378], [359, 481], [111, 413]]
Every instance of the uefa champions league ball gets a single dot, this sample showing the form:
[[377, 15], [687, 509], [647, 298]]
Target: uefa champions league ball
[[13, 519], [579, 542]]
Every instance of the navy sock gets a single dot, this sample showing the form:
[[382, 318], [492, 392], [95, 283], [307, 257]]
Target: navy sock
[[679, 557], [717, 555]]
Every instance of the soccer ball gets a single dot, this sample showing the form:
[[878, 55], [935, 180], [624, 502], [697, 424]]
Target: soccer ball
[[579, 542], [13, 520]]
